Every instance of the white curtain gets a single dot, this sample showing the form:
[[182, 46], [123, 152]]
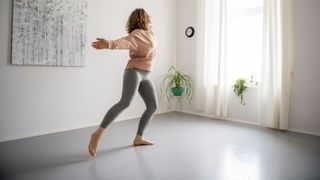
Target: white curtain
[[275, 77], [211, 82], [211, 87]]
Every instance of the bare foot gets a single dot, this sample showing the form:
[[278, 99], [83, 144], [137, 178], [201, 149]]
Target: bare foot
[[140, 141], [94, 142], [93, 145]]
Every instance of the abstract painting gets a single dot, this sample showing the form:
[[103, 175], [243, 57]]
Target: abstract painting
[[49, 32]]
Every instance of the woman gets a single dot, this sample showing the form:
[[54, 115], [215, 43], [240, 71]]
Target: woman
[[141, 45]]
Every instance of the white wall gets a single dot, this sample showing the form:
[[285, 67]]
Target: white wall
[[38, 100], [186, 49], [305, 97], [305, 43]]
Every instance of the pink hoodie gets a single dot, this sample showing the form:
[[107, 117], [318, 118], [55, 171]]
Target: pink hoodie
[[142, 48]]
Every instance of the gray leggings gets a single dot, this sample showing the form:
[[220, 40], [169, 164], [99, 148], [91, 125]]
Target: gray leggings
[[133, 80]]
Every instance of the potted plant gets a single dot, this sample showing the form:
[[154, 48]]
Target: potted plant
[[177, 83], [239, 88]]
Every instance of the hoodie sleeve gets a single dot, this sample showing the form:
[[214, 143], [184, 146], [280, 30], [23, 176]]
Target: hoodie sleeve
[[127, 42]]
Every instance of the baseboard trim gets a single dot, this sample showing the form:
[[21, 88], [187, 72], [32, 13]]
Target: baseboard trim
[[41, 133], [304, 132], [54, 131], [219, 118], [134, 117], [246, 122]]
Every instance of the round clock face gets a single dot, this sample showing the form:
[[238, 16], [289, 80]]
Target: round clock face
[[189, 31]]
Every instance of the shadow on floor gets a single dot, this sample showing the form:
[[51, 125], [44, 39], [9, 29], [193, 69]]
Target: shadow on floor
[[52, 161]]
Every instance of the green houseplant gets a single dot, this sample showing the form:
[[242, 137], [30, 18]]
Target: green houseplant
[[177, 83], [239, 88]]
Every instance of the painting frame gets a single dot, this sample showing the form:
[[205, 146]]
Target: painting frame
[[49, 33]]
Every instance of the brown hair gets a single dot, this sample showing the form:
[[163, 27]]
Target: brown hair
[[137, 20]]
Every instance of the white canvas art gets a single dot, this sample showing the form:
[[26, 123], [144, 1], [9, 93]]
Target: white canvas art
[[49, 32]]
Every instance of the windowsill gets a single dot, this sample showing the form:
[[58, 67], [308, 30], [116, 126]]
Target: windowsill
[[254, 87]]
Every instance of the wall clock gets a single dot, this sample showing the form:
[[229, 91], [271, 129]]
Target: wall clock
[[189, 31]]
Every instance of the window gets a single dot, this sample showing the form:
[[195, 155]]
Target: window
[[244, 40]]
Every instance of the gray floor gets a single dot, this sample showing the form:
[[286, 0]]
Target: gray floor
[[187, 147]]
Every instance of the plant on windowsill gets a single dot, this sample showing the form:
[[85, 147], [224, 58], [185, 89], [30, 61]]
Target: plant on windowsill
[[239, 88], [177, 83]]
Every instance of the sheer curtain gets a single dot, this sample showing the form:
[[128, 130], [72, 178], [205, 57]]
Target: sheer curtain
[[211, 86], [275, 77], [211, 82]]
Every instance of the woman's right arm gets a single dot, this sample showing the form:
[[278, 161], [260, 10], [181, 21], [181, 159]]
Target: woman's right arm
[[127, 42], [100, 44]]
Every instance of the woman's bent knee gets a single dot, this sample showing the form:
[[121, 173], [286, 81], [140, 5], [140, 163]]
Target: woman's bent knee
[[124, 104], [152, 108]]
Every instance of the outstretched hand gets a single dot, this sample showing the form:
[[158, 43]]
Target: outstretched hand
[[100, 44]]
